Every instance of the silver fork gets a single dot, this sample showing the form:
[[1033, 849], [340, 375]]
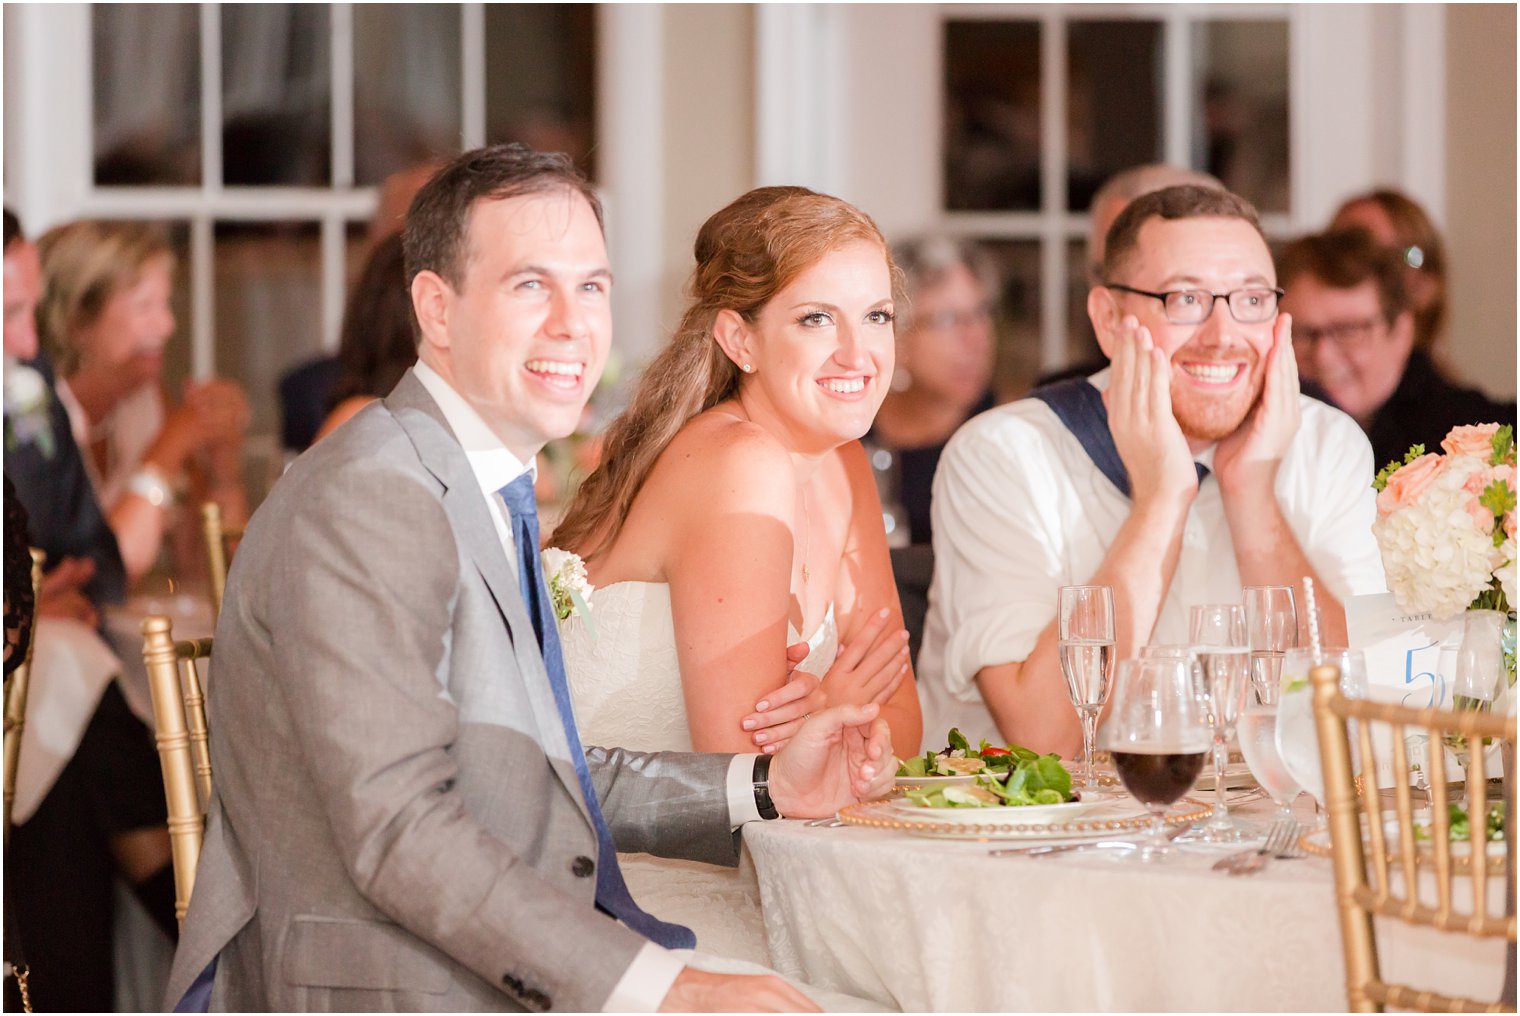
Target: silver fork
[[1282, 841]]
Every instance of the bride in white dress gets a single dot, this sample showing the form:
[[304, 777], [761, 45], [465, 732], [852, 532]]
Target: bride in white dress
[[734, 509]]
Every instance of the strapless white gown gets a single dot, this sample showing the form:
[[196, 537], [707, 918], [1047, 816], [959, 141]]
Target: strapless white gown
[[626, 688]]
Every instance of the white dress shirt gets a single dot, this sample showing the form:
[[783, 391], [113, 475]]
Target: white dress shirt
[[648, 978], [1020, 510]]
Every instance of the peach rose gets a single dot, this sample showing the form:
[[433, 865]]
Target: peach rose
[[1409, 481], [1509, 525], [1476, 440]]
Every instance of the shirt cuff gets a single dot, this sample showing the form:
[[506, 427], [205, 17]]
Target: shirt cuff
[[741, 790], [647, 980]]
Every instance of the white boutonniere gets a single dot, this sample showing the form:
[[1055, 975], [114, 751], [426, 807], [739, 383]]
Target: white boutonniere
[[26, 409], [568, 589]]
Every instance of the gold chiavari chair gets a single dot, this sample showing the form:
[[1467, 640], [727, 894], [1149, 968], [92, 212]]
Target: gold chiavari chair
[[1380, 861], [220, 543], [179, 711], [15, 698]]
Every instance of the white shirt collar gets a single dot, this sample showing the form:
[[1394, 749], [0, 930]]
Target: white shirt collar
[[493, 465]]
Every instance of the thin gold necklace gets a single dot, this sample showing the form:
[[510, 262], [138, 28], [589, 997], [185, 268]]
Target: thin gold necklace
[[807, 536]]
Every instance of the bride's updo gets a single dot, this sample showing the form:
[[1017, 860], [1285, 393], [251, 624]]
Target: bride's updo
[[745, 255]]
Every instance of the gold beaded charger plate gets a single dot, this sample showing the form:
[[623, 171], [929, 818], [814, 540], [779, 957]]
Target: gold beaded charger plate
[[1103, 819], [1317, 843]]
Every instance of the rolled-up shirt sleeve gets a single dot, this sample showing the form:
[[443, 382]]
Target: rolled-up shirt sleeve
[[997, 558], [1340, 510]]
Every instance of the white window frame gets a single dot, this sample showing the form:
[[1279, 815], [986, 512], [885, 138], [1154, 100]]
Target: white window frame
[[1366, 93]]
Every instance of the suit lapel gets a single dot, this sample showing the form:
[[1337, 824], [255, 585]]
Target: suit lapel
[[441, 454]]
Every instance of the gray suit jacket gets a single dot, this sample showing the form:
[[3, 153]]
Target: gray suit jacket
[[397, 823]]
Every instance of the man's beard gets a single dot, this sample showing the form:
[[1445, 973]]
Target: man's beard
[[1205, 419]]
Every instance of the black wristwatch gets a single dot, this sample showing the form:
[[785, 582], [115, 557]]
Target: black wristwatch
[[762, 780]]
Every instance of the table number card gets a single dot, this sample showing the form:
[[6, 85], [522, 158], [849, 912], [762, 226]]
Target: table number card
[[1411, 660]]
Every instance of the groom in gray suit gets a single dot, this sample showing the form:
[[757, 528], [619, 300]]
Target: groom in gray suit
[[404, 816]]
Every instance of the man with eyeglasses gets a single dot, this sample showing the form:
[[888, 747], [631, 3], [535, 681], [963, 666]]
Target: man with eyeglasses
[[1189, 468], [1355, 333]]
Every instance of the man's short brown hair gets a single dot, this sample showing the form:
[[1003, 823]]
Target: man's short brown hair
[[1184, 201], [436, 234], [1344, 259]]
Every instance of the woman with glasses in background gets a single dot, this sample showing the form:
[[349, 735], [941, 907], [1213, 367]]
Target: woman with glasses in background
[[1357, 332]]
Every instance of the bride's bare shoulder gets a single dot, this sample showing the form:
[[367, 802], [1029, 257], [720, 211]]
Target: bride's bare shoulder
[[720, 454]]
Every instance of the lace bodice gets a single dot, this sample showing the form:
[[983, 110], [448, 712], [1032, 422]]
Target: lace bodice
[[626, 682]]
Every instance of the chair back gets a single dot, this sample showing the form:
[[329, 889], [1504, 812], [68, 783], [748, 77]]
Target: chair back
[[220, 543], [179, 712], [15, 697], [1386, 859]]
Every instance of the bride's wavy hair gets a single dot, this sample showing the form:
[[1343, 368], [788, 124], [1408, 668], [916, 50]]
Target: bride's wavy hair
[[745, 254]]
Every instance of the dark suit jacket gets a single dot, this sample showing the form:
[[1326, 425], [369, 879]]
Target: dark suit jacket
[[1423, 408], [64, 519]]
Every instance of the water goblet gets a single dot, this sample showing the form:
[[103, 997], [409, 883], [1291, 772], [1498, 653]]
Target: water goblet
[[1156, 740], [1296, 736], [1085, 643], [1218, 632], [1477, 683]]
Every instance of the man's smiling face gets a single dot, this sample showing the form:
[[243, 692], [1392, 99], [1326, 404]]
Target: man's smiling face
[[1218, 365]]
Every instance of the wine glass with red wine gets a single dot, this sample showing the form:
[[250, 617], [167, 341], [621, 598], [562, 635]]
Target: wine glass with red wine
[[1158, 740]]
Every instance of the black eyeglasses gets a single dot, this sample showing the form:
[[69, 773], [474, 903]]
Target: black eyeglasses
[[1345, 334], [1251, 306], [944, 320]]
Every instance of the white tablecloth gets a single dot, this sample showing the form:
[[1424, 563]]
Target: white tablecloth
[[938, 925]]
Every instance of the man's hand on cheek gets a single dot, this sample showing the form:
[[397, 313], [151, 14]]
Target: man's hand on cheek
[[1246, 461]]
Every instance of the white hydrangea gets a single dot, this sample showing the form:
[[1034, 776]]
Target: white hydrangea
[[1505, 573], [1435, 557]]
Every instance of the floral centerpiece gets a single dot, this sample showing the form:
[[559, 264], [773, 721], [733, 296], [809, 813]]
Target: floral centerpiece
[[1446, 526]]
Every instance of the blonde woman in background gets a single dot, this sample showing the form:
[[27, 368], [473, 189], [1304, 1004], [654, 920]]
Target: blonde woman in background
[[105, 319]]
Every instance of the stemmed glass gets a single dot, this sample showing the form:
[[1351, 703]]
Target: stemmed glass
[[1296, 736], [1156, 739], [1218, 633], [1476, 684], [1086, 647], [1258, 742], [1271, 630]]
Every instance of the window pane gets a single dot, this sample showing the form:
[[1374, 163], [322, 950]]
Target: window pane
[[541, 77], [1018, 355], [1114, 117], [406, 86], [992, 115], [276, 95], [1241, 89], [268, 318], [147, 93]]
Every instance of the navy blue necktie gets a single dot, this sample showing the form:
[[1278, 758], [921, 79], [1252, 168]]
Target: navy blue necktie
[[612, 894]]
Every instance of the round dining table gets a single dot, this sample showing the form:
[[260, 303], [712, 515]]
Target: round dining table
[[942, 925]]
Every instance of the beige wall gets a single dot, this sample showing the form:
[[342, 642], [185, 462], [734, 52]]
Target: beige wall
[[1480, 194], [709, 128]]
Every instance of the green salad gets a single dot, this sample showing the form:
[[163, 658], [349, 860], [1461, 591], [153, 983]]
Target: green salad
[[1011, 776], [1461, 825]]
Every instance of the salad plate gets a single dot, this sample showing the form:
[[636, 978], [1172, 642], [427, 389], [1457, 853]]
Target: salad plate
[[1105, 819], [1317, 842], [1025, 814]]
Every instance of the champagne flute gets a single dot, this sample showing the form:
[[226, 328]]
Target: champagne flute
[[1271, 630], [1156, 739], [1086, 648], [1218, 632]]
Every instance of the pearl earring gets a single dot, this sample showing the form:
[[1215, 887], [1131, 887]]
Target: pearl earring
[[748, 368]]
